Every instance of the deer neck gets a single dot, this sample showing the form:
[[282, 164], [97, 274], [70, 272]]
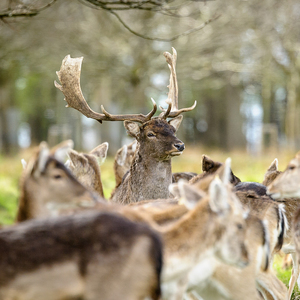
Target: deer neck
[[197, 227], [29, 207], [149, 178], [199, 234]]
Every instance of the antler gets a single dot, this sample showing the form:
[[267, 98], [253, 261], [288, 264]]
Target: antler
[[69, 76], [172, 101]]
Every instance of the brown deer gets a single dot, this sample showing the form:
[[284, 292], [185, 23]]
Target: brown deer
[[156, 140], [90, 256], [123, 161], [213, 228], [85, 167], [235, 283], [285, 188], [261, 207], [253, 196], [212, 225], [47, 187], [210, 166]]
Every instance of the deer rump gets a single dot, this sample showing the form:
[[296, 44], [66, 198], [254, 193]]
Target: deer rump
[[86, 256]]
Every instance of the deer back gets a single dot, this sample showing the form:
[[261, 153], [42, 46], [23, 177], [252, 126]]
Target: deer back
[[90, 255]]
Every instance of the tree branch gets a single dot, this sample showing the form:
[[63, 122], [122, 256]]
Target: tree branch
[[23, 10], [162, 39]]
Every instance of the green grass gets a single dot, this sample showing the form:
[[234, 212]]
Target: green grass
[[246, 167]]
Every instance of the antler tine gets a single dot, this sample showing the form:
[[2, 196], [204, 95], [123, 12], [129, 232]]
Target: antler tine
[[137, 117], [173, 85], [173, 89], [69, 76], [165, 114], [176, 113]]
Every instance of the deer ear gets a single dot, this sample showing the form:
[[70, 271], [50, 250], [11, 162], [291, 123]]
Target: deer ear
[[60, 151], [100, 152], [77, 160], [227, 171], [207, 163], [187, 194], [121, 155], [43, 156], [133, 129], [274, 165], [176, 122], [218, 197], [24, 163]]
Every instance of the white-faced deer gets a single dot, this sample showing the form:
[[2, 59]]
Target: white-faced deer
[[285, 188], [85, 167], [150, 172], [88, 256], [47, 187]]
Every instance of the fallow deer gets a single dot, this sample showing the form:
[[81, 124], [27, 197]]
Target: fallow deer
[[266, 208], [90, 256], [156, 140], [123, 161], [213, 226], [47, 187], [253, 196], [285, 188], [210, 166], [85, 167]]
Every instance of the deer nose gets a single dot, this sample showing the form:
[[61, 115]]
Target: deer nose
[[180, 147]]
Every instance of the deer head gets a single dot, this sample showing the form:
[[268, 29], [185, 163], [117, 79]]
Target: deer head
[[155, 128], [287, 183], [272, 173], [85, 167], [47, 186]]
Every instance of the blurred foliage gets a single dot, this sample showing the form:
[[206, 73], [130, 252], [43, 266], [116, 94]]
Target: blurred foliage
[[250, 50]]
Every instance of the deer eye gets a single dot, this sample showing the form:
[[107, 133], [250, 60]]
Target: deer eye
[[150, 134], [57, 176], [292, 167], [240, 226]]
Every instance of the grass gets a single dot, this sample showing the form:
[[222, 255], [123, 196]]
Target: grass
[[246, 167]]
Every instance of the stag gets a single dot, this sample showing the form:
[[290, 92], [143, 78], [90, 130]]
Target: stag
[[150, 172]]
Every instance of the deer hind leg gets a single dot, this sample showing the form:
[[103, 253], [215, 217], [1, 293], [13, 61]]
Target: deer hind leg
[[294, 276], [270, 286]]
